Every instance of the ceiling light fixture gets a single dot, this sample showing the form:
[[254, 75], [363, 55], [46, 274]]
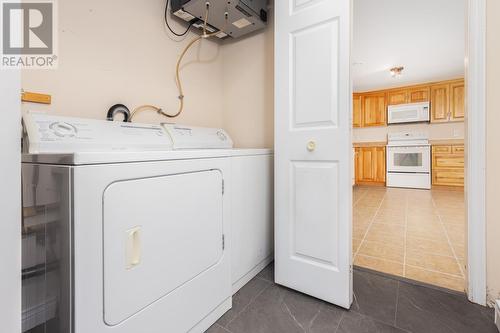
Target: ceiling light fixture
[[396, 71]]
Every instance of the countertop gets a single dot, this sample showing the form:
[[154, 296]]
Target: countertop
[[447, 142], [432, 142], [369, 144]]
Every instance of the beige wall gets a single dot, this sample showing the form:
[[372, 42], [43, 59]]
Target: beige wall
[[248, 84], [110, 56], [119, 51], [493, 150], [435, 131]]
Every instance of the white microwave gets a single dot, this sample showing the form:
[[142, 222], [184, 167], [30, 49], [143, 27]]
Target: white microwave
[[408, 113]]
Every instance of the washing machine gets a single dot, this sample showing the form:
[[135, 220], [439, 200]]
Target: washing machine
[[125, 226]]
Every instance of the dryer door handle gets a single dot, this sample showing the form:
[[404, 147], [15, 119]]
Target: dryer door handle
[[133, 247]]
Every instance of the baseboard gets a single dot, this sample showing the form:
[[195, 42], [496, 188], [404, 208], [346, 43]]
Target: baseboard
[[209, 320], [379, 184], [252, 273], [448, 188]]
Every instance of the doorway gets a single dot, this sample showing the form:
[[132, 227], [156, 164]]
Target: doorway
[[302, 145], [409, 216]]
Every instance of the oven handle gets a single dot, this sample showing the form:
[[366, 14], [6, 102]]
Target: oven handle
[[398, 172]]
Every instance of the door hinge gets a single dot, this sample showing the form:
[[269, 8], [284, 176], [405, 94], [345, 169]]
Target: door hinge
[[223, 187], [223, 242]]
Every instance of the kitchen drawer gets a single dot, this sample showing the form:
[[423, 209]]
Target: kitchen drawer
[[448, 161], [448, 177], [458, 149], [441, 149]]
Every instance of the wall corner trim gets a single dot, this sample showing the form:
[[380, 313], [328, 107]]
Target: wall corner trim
[[476, 159]]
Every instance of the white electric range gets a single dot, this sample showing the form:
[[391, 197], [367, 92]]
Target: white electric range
[[408, 160]]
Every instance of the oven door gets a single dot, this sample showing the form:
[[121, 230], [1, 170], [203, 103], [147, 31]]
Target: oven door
[[409, 159]]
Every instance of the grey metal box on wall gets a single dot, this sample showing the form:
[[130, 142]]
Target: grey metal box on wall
[[244, 16]]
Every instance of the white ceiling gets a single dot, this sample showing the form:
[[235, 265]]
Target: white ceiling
[[427, 37]]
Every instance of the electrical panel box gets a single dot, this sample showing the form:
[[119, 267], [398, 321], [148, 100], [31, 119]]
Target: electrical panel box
[[244, 16]]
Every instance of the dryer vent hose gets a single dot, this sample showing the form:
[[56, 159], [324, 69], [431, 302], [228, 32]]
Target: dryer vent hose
[[178, 81]]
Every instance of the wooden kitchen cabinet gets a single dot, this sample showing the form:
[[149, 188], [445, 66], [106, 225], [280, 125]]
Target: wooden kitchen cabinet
[[440, 103], [446, 98], [369, 165], [457, 101], [448, 101], [419, 94], [380, 165], [414, 94], [448, 165], [395, 97], [357, 117], [374, 110]]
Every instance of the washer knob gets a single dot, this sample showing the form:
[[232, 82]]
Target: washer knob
[[63, 130]]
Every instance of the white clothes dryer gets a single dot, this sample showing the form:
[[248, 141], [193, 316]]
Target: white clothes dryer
[[134, 233]]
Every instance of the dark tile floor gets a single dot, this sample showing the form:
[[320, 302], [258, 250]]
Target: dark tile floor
[[381, 304]]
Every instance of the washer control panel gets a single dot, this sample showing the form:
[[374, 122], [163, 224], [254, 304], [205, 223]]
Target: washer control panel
[[45, 133], [54, 134], [63, 129]]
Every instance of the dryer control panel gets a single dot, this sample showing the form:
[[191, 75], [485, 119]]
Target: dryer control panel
[[190, 137], [43, 133]]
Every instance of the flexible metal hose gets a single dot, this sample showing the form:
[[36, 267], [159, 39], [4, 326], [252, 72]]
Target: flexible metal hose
[[178, 81]]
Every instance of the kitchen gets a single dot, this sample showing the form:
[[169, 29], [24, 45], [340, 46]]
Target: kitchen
[[408, 142]]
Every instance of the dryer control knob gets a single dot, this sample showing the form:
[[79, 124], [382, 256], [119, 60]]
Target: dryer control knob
[[222, 136]]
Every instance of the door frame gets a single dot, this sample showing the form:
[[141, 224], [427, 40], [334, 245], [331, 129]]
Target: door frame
[[475, 142], [10, 199]]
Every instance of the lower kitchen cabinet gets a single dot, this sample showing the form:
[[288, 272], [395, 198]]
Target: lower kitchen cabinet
[[369, 165], [448, 165]]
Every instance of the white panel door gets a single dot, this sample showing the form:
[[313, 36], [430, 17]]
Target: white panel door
[[313, 148]]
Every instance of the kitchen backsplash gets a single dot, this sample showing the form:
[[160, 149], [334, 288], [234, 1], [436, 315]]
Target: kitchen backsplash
[[435, 131]]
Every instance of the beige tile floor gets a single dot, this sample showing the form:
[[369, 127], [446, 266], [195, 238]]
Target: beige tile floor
[[417, 234]]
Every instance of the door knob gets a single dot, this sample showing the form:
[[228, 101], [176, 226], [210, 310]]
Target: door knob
[[311, 145]]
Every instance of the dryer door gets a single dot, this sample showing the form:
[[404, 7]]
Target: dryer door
[[159, 233]]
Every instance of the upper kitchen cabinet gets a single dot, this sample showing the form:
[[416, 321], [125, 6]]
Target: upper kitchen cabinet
[[419, 94], [457, 100], [395, 97], [440, 103], [357, 117], [414, 94], [448, 101], [373, 109]]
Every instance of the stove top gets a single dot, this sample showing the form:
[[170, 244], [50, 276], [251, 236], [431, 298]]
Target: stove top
[[407, 139]]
